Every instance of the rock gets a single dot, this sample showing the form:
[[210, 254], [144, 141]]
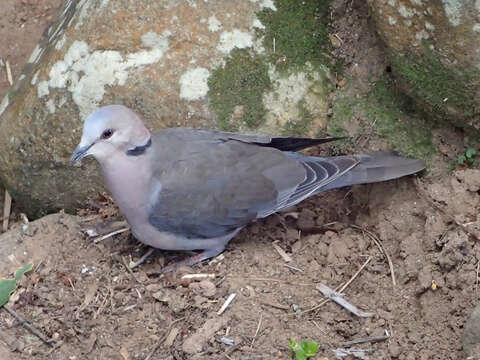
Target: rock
[[183, 63], [194, 344], [471, 334], [435, 54]]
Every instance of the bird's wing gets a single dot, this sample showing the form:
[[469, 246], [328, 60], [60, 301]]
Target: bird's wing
[[207, 186], [284, 143]]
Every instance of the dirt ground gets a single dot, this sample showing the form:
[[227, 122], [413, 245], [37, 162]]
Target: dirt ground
[[83, 296]]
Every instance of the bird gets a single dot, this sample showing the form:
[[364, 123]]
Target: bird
[[188, 189]]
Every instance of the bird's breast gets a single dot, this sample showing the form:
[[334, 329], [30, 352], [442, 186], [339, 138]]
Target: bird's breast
[[128, 183]]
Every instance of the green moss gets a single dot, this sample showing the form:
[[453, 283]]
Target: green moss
[[384, 108], [342, 114], [241, 82], [386, 112], [446, 92], [300, 127], [299, 29]]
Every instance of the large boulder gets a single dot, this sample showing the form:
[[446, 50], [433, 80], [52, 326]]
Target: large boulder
[[247, 65], [434, 50]]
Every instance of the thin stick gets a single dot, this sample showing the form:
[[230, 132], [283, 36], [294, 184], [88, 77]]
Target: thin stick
[[476, 280], [293, 268], [124, 262], [282, 253], [380, 246], [258, 329], [276, 306], [356, 274], [7, 207], [164, 337], [226, 303], [106, 236], [366, 340], [9, 73], [134, 264], [28, 326], [340, 300], [197, 276], [338, 288]]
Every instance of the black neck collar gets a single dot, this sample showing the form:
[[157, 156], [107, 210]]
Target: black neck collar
[[138, 150]]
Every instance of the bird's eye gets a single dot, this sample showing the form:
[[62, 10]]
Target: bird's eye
[[107, 134]]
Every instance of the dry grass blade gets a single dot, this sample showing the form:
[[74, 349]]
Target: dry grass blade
[[380, 246], [164, 338], [7, 207], [258, 329], [9, 73], [106, 236], [347, 284]]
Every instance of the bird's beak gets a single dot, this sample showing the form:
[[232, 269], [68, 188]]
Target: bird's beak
[[79, 153]]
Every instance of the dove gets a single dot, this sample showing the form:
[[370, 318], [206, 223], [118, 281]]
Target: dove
[[193, 189]]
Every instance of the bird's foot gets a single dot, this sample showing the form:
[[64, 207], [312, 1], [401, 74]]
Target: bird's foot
[[195, 259], [145, 256]]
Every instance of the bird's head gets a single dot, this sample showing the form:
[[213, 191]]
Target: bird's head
[[109, 131]]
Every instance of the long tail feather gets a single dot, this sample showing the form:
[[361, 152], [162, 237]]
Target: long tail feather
[[376, 167]]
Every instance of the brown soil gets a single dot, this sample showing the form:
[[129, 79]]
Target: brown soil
[[82, 295]]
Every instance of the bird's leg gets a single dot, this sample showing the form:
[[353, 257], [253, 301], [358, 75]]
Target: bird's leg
[[145, 256], [195, 259]]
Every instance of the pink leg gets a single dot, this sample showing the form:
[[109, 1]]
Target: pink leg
[[195, 259]]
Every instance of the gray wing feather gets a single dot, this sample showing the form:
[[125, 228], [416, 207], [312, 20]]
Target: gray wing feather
[[319, 173], [209, 188]]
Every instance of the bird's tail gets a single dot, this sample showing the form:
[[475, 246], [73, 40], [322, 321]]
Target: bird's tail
[[375, 167]]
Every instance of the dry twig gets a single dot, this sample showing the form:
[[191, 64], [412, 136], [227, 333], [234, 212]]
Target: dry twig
[[29, 327], [281, 252], [340, 300], [197, 276], [129, 269], [226, 303], [258, 329], [338, 288], [163, 339], [367, 339], [293, 268], [477, 272], [9, 73], [106, 236]]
